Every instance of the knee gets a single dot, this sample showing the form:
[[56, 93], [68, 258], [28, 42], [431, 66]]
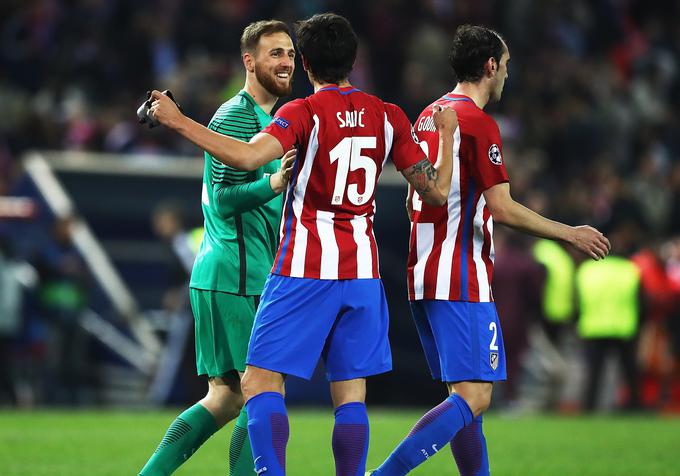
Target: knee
[[226, 404], [256, 381], [478, 398]]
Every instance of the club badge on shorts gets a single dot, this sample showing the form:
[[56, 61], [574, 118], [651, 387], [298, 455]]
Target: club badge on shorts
[[493, 360]]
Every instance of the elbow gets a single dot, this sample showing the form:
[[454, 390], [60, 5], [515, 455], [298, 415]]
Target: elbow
[[436, 199], [500, 215]]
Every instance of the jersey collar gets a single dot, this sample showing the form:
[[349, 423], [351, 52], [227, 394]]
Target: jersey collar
[[251, 100], [457, 97], [344, 91]]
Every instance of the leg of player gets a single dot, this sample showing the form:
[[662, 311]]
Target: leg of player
[[351, 430], [431, 433], [240, 453], [195, 425], [267, 419], [469, 445]]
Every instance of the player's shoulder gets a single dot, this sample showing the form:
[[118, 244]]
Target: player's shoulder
[[238, 108], [296, 106]]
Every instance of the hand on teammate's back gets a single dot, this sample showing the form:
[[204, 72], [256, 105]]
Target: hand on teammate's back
[[164, 109], [444, 118], [590, 241], [279, 180]]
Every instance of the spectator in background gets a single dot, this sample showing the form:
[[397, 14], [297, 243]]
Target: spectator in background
[[10, 322], [168, 224], [62, 294], [558, 310], [517, 283], [661, 306], [609, 305]]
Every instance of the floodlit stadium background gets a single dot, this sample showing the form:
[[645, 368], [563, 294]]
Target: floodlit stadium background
[[93, 308]]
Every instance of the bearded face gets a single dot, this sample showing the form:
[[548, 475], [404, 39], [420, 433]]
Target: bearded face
[[277, 80], [274, 63]]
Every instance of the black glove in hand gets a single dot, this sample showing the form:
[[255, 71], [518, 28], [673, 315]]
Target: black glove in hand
[[143, 110]]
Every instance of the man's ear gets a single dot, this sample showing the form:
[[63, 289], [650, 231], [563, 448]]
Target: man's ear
[[491, 66], [249, 62], [305, 66]]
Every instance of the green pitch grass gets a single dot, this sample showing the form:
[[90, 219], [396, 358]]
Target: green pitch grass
[[118, 443]]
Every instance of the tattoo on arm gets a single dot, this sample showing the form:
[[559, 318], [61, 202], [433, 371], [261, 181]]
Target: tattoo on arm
[[422, 176]]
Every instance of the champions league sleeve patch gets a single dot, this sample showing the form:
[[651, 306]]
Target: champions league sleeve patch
[[495, 155], [414, 136], [281, 122]]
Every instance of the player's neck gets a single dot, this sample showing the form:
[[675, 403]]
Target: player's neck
[[262, 97], [474, 91], [341, 84]]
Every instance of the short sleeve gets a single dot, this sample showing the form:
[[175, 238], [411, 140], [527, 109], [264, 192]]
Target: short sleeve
[[291, 125], [489, 165], [405, 149]]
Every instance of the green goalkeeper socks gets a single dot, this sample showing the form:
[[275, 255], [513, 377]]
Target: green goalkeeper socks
[[240, 454], [189, 431]]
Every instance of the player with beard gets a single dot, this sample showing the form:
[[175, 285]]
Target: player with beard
[[242, 211]]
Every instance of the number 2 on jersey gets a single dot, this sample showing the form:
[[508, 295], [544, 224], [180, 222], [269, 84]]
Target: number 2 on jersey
[[348, 156]]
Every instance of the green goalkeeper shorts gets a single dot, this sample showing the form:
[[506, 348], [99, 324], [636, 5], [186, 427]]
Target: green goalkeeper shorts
[[223, 323]]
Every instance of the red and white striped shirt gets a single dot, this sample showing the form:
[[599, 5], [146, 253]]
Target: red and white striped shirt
[[451, 248], [343, 137]]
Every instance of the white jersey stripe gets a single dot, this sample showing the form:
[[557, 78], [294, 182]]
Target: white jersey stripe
[[424, 243], [477, 244], [389, 137], [454, 205], [297, 268], [329, 246], [489, 226], [364, 252]]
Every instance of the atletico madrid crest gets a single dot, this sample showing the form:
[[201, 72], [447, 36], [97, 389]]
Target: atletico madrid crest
[[493, 360]]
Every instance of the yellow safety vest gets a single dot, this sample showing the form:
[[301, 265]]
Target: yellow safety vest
[[558, 293], [608, 296], [194, 237]]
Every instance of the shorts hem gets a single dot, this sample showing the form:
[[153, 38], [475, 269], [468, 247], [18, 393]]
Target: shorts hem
[[282, 370], [473, 378], [351, 376]]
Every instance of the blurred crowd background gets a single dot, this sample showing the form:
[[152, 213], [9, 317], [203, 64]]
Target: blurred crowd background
[[591, 131]]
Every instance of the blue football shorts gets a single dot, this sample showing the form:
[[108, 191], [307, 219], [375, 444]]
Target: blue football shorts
[[462, 341], [343, 321]]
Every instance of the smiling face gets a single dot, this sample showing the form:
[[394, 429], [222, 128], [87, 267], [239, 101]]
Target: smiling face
[[274, 63]]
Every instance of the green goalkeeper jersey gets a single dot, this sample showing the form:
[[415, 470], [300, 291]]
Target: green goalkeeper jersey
[[241, 211]]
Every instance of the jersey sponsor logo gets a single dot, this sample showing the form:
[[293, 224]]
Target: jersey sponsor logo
[[281, 122], [495, 155], [493, 360]]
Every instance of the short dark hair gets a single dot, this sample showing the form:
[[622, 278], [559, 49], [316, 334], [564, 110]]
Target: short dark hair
[[472, 46], [328, 44], [256, 30]]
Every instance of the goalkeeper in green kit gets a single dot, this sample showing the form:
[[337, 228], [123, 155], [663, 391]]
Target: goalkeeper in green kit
[[242, 212]]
